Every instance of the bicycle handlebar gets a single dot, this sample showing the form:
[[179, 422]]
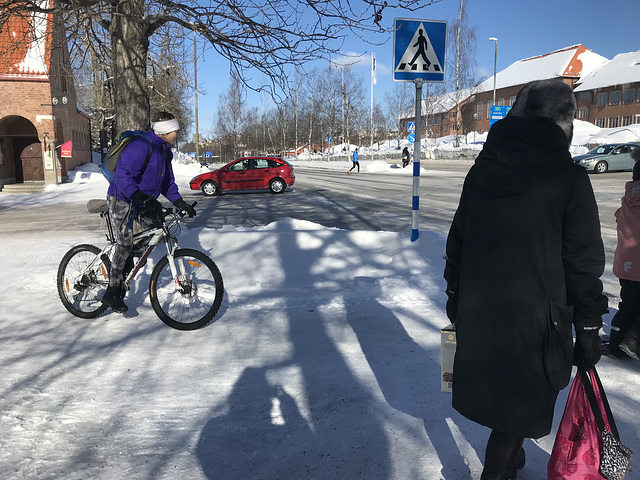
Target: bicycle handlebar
[[175, 211]]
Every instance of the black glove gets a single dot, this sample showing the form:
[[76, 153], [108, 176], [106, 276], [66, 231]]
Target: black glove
[[185, 207], [587, 350], [149, 203]]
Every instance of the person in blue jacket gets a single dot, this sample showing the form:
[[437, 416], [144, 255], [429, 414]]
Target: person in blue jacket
[[133, 198], [355, 162]]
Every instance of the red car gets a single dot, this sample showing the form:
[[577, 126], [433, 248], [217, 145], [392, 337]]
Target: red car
[[247, 173]]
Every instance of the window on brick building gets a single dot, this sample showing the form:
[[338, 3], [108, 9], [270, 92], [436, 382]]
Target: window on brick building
[[501, 102], [479, 108], [627, 120], [585, 96], [489, 105], [512, 100], [614, 122], [614, 97], [600, 122], [584, 113], [630, 95], [602, 99]]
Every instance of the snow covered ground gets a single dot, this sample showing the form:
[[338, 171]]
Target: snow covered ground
[[324, 363]]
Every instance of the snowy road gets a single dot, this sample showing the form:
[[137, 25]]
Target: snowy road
[[323, 363]]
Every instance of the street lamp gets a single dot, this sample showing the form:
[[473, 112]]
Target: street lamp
[[495, 62]]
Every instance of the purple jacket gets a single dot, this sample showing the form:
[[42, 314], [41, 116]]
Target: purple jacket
[[157, 179], [626, 260]]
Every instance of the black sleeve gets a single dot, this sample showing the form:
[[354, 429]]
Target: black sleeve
[[454, 246], [583, 255]]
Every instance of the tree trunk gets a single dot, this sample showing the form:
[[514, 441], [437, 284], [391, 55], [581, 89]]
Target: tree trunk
[[130, 47]]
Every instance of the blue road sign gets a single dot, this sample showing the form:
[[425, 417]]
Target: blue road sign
[[498, 112], [411, 137], [411, 126], [419, 50]]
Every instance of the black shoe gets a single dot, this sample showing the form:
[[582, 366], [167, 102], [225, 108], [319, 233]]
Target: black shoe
[[630, 347], [520, 461], [113, 298]]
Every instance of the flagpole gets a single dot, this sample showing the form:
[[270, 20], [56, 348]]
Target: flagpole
[[373, 81]]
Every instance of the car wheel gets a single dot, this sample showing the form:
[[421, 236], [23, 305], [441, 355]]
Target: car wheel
[[209, 188], [277, 185], [601, 167]]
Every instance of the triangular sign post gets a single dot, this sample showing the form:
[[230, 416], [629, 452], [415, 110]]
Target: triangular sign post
[[419, 55]]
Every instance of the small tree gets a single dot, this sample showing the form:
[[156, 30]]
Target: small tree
[[399, 103]]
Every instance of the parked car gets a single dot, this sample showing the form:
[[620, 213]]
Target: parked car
[[247, 173], [615, 156]]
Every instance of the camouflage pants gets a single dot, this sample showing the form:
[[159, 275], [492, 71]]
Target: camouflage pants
[[125, 221]]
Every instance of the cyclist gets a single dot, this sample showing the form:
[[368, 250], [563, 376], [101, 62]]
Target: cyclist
[[132, 198]]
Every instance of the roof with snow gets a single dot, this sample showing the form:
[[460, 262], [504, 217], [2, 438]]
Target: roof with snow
[[25, 45], [571, 62], [624, 68], [443, 103]]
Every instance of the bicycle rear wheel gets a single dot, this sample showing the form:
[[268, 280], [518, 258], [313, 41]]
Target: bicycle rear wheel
[[192, 300], [82, 280]]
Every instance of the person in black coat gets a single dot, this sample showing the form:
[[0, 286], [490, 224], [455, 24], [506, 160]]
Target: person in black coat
[[406, 157], [524, 258]]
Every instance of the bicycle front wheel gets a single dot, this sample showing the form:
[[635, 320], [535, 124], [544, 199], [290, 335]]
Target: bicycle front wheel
[[191, 300], [83, 278]]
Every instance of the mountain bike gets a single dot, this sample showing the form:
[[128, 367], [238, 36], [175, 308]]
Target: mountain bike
[[185, 287]]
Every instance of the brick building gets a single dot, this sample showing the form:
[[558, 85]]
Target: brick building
[[609, 97], [607, 91], [38, 109]]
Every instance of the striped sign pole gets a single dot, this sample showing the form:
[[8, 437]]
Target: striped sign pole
[[415, 204]]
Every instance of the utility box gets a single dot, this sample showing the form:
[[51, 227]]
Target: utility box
[[447, 354]]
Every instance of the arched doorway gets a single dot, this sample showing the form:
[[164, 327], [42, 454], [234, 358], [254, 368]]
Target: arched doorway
[[18, 134]]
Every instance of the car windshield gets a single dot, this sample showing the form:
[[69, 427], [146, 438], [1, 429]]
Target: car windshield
[[602, 149]]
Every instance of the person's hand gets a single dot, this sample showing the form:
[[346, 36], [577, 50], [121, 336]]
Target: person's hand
[[140, 198], [154, 207], [149, 203], [185, 207], [587, 350]]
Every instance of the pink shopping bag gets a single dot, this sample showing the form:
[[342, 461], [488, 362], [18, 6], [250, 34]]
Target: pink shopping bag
[[576, 451]]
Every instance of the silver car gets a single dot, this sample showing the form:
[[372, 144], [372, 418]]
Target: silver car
[[615, 156]]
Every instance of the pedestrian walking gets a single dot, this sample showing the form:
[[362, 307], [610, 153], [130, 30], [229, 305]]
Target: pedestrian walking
[[625, 326], [132, 198], [406, 157], [524, 258], [356, 163]]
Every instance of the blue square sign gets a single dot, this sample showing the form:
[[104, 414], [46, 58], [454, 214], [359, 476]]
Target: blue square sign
[[419, 50]]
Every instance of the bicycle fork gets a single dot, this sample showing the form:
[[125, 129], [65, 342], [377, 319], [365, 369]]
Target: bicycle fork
[[178, 271]]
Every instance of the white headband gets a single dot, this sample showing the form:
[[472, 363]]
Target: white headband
[[165, 126]]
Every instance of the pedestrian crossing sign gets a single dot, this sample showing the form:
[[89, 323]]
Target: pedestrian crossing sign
[[419, 50]]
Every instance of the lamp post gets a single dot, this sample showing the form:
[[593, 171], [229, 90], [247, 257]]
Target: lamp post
[[495, 62]]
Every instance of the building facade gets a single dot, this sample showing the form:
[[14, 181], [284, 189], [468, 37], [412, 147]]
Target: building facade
[[38, 108], [609, 97], [607, 91]]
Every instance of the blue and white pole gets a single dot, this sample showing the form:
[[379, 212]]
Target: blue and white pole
[[415, 204]]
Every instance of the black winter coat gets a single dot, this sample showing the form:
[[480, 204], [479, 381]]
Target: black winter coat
[[524, 258]]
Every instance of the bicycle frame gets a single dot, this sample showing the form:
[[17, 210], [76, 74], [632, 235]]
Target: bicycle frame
[[157, 234], [171, 243]]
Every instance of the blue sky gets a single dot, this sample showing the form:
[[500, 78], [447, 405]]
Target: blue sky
[[523, 29]]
